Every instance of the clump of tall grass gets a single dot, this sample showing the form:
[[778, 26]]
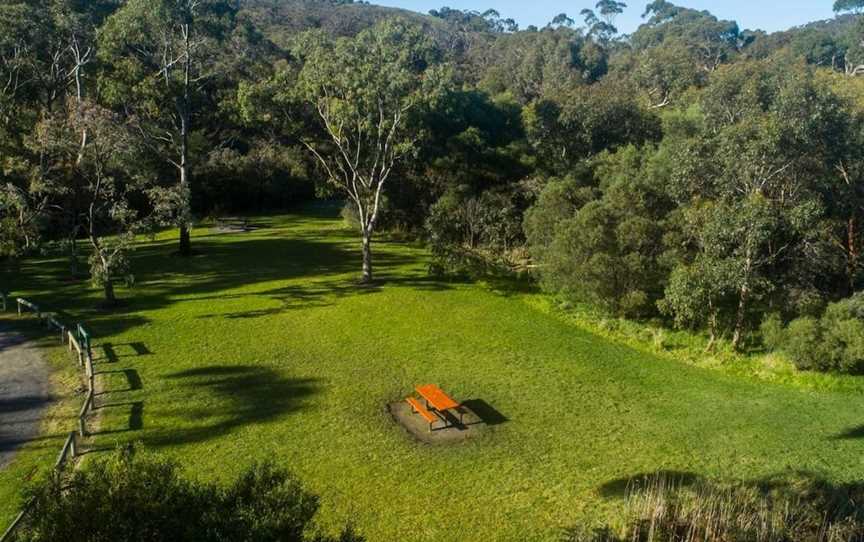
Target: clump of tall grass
[[663, 509]]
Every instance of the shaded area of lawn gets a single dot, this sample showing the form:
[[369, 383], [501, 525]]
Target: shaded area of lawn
[[246, 395], [264, 347]]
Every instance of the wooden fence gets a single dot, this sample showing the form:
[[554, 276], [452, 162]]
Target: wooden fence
[[79, 344], [7, 535]]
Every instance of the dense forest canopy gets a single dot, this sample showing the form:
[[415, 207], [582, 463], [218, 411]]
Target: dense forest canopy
[[692, 171]]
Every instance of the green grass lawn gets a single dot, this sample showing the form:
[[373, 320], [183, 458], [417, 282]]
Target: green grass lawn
[[262, 347]]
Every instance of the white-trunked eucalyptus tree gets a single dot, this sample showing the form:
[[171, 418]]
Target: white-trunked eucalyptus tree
[[366, 91], [164, 53]]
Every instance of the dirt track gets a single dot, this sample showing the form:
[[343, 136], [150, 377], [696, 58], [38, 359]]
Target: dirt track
[[24, 392]]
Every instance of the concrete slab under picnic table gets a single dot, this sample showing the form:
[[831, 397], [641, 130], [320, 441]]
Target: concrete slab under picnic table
[[417, 427]]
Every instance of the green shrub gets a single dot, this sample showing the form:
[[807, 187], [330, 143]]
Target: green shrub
[[833, 343], [844, 344], [773, 333], [804, 344], [131, 497]]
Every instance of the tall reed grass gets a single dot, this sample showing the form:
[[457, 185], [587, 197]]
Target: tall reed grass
[[666, 509]]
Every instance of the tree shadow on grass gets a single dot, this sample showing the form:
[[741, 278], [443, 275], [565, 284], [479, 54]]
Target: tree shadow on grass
[[851, 434], [241, 396], [325, 293], [620, 487], [791, 484], [245, 262]]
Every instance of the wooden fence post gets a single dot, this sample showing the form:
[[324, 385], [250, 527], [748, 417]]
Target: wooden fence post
[[91, 374], [68, 447], [84, 337], [14, 526], [82, 415]]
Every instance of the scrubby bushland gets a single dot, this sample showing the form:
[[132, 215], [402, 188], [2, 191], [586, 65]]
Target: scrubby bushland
[[465, 232], [601, 237], [662, 508], [134, 497], [832, 342]]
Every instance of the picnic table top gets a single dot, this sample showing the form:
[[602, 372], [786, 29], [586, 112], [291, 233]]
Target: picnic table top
[[436, 397]]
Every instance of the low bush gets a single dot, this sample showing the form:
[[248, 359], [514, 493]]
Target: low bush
[[804, 344], [772, 331], [834, 342], [132, 497]]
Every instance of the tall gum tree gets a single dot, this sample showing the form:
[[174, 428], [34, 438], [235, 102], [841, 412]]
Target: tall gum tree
[[854, 59], [163, 54], [365, 92]]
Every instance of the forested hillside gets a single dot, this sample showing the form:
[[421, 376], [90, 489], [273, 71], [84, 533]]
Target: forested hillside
[[694, 172]]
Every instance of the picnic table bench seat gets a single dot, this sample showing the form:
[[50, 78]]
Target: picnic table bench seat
[[417, 406]]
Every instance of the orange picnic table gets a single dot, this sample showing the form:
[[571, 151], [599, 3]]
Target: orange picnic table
[[437, 399]]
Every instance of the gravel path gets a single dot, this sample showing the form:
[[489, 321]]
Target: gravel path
[[24, 393]]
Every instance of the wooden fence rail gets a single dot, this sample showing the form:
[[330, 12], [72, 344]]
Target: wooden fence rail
[[7, 535], [68, 451], [82, 415], [84, 339], [22, 303], [75, 346], [58, 325], [78, 339]]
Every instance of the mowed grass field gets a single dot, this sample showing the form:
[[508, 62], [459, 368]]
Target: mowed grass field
[[262, 347]]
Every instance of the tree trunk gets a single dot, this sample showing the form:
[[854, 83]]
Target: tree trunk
[[712, 327], [852, 254], [73, 253], [367, 257], [741, 316], [185, 240], [743, 299], [185, 189], [108, 286]]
